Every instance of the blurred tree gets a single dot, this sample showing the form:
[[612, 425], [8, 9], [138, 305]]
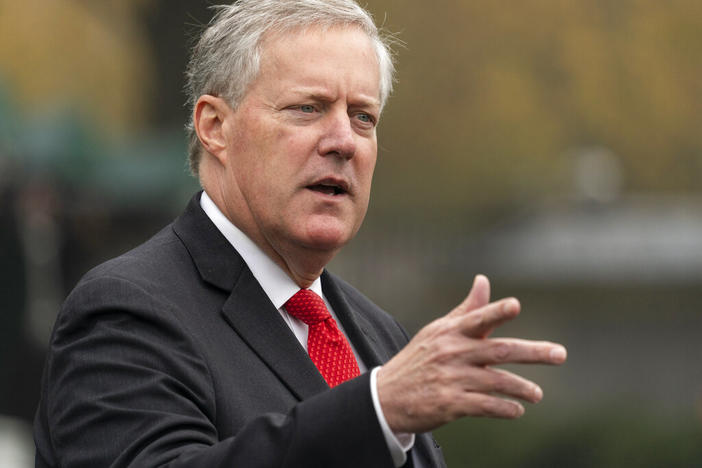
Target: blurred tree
[[492, 95], [91, 56]]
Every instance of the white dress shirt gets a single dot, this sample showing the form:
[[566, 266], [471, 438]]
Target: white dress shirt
[[279, 287]]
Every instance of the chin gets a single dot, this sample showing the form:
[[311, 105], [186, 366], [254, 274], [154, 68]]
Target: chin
[[326, 242], [329, 236]]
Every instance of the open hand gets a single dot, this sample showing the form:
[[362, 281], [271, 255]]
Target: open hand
[[445, 372]]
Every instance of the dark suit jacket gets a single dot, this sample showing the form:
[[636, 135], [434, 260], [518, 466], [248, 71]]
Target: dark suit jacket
[[172, 355]]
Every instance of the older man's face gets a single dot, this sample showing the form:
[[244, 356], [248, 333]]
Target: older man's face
[[302, 143]]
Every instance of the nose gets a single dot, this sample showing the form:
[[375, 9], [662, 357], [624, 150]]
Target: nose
[[338, 138]]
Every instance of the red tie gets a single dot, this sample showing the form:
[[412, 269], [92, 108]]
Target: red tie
[[326, 345]]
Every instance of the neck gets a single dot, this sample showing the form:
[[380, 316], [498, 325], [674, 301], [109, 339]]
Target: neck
[[301, 263], [304, 266]]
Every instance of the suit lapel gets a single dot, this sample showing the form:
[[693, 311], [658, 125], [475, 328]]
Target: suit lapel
[[216, 260], [247, 310], [361, 333]]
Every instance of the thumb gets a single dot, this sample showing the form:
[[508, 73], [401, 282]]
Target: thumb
[[479, 296]]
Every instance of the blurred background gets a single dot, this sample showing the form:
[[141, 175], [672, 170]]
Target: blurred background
[[554, 146]]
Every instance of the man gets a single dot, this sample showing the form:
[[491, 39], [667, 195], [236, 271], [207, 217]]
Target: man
[[192, 349]]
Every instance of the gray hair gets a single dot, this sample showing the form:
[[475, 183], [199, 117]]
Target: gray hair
[[226, 58]]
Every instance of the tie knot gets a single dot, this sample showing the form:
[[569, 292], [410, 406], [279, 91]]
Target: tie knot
[[307, 306]]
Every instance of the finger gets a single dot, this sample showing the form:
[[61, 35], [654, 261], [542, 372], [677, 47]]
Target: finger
[[481, 322], [478, 297], [498, 381], [515, 351], [489, 406]]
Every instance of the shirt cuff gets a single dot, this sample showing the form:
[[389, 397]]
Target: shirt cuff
[[398, 443]]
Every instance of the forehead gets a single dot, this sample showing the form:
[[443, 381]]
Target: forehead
[[338, 53]]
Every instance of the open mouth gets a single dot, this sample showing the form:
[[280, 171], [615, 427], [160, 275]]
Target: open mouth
[[329, 188]]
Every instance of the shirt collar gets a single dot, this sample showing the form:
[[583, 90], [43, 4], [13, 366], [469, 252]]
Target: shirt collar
[[277, 285]]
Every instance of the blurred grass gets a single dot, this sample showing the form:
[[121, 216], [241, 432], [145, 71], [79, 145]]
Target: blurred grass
[[617, 434]]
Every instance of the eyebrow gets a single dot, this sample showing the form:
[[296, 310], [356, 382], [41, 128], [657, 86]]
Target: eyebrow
[[321, 94]]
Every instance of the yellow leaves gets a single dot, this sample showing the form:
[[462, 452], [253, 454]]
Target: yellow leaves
[[91, 56], [492, 95], [510, 88]]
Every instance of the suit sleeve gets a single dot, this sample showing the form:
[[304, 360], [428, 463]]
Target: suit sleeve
[[125, 386]]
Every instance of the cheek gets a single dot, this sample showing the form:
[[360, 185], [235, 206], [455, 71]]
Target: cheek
[[296, 147], [365, 168], [260, 163]]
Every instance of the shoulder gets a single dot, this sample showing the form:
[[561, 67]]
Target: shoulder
[[156, 282], [143, 264], [180, 253], [135, 281]]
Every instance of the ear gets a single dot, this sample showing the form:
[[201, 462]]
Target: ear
[[208, 119]]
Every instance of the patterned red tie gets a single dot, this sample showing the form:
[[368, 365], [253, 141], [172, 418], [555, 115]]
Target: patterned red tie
[[326, 345]]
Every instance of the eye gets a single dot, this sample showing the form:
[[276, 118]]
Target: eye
[[366, 119], [307, 109]]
